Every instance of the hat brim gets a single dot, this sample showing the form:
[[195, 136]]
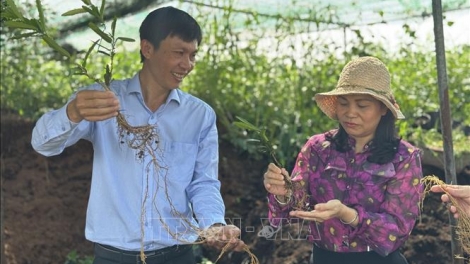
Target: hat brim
[[327, 101]]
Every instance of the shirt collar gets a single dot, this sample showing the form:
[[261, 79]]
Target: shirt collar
[[352, 143], [174, 96], [134, 87]]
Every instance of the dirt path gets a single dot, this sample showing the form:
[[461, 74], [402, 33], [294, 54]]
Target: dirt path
[[45, 204]]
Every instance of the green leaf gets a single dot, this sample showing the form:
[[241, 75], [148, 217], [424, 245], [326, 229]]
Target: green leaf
[[97, 13], [113, 25], [126, 39], [11, 5], [264, 137], [100, 32], [101, 47], [245, 124], [266, 146], [86, 2], [42, 20], [88, 53], [105, 53], [8, 14], [102, 9], [91, 11], [107, 75], [74, 12], [21, 25], [25, 35], [53, 44], [38, 24]]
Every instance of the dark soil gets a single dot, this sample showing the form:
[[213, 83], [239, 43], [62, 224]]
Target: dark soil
[[44, 204]]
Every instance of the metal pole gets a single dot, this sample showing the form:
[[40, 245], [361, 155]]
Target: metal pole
[[2, 237], [445, 118]]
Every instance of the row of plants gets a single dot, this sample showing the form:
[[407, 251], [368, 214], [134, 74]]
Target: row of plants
[[266, 73], [276, 92]]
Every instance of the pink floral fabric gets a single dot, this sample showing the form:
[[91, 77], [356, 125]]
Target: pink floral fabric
[[385, 196]]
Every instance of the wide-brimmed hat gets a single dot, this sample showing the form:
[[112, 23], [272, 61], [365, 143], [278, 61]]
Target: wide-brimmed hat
[[364, 75]]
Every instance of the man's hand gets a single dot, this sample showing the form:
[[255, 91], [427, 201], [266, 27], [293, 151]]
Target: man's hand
[[459, 193], [93, 106], [220, 236]]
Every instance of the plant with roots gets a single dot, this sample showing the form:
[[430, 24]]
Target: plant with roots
[[266, 146], [463, 222], [144, 139]]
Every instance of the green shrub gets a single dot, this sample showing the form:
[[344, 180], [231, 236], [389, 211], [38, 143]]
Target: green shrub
[[264, 69]]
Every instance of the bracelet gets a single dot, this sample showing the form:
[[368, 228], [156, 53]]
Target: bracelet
[[282, 203], [288, 197], [350, 222]]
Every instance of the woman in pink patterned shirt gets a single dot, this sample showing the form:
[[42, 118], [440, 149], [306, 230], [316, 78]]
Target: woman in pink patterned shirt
[[358, 185]]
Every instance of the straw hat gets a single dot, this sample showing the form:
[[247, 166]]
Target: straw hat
[[364, 75]]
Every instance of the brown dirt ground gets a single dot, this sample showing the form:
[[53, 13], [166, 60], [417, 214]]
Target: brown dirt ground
[[44, 203]]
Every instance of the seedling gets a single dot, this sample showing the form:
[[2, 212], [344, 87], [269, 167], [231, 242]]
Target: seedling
[[265, 144], [302, 203]]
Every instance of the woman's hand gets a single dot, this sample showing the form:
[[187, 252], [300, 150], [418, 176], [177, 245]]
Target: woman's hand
[[325, 211], [274, 180], [321, 211]]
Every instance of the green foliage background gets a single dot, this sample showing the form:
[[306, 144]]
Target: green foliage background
[[239, 74]]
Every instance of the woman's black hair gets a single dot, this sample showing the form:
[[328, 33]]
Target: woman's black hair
[[384, 145], [169, 21]]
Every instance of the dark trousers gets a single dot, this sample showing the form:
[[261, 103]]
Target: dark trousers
[[181, 254], [321, 256]]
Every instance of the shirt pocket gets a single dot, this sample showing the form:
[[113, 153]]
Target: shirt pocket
[[375, 179], [335, 174], [179, 159], [336, 168], [379, 173]]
